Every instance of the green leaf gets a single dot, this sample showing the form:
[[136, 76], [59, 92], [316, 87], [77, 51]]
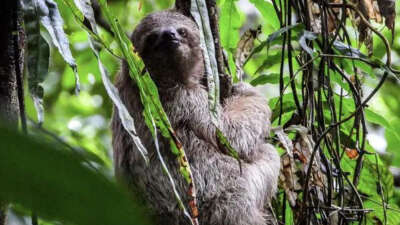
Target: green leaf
[[272, 78], [335, 77], [375, 118], [289, 217], [57, 185], [273, 37], [377, 183], [269, 61], [267, 10], [38, 53], [51, 19], [288, 106], [393, 141], [229, 24]]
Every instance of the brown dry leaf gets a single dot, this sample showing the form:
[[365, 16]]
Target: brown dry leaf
[[298, 153], [332, 23], [296, 161], [353, 79], [368, 9], [315, 16], [351, 153], [315, 19], [387, 9], [333, 16], [378, 16], [244, 48], [303, 149], [288, 178]]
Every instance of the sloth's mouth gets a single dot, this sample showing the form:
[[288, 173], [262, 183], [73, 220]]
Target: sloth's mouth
[[171, 43], [168, 42]]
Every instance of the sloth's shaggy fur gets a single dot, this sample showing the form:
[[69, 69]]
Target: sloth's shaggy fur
[[225, 196]]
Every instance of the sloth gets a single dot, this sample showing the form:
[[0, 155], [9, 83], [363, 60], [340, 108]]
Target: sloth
[[169, 44]]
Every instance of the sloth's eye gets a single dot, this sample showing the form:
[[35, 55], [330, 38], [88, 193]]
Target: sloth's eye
[[182, 32]]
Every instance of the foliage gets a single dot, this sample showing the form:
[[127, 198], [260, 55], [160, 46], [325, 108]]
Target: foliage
[[321, 84], [72, 191]]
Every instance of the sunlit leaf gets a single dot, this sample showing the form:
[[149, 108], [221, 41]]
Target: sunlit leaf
[[38, 52], [51, 19], [267, 11], [269, 61], [229, 25], [272, 78]]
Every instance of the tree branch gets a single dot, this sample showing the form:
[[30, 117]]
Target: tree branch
[[183, 6]]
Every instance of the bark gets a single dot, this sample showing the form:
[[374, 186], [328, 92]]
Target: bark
[[11, 44], [9, 109]]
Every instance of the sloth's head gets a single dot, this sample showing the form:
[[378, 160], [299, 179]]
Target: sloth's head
[[169, 45]]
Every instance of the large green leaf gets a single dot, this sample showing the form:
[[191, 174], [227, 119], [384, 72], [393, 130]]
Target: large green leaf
[[57, 185], [229, 25], [272, 78], [373, 117], [267, 11]]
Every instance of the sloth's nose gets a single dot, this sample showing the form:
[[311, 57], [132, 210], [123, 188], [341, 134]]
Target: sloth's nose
[[169, 34]]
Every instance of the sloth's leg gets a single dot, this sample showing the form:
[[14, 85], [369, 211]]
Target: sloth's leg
[[243, 204]]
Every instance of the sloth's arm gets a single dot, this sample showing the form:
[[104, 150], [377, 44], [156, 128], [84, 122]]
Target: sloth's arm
[[245, 120]]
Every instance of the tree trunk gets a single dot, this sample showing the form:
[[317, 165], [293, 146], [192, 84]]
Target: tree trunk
[[11, 61]]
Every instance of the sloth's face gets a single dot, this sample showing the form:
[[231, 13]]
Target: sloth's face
[[166, 39]]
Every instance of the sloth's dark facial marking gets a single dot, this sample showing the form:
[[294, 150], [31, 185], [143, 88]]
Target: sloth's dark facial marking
[[165, 39]]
